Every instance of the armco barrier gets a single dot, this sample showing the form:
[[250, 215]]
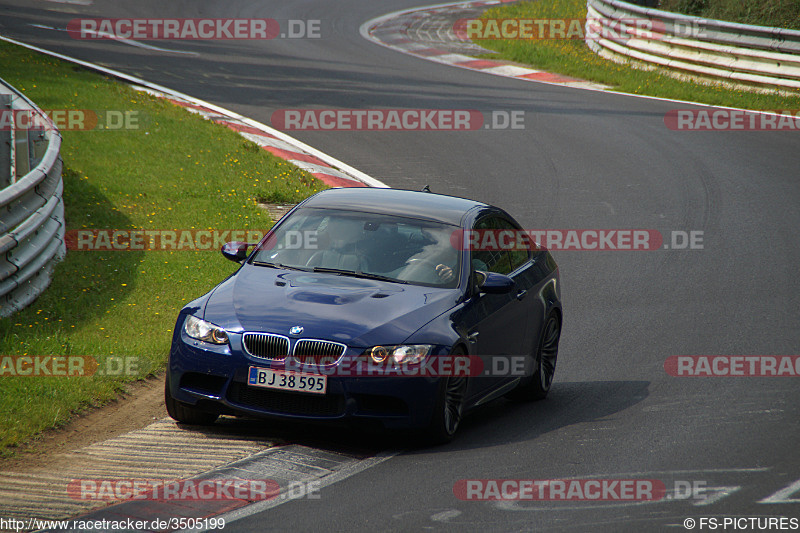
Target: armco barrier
[[31, 208], [738, 53]]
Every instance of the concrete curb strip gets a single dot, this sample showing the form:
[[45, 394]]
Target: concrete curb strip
[[399, 32]]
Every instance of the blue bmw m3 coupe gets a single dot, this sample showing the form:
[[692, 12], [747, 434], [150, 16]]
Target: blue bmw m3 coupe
[[395, 307]]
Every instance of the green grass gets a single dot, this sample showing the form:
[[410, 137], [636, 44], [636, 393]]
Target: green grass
[[572, 57], [777, 13], [177, 171]]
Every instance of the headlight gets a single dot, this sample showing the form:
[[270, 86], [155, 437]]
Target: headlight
[[402, 354], [204, 331]]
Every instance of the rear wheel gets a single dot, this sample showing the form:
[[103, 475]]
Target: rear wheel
[[448, 410], [183, 413], [538, 385]]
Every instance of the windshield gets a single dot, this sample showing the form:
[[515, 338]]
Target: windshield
[[355, 243]]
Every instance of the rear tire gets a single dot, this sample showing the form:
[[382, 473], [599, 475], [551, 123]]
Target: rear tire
[[538, 385], [186, 414]]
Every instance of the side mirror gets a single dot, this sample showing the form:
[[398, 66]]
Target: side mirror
[[493, 283], [235, 251]]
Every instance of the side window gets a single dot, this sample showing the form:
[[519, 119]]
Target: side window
[[521, 252], [497, 249], [487, 255]]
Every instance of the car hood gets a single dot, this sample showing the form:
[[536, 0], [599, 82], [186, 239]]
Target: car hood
[[354, 311]]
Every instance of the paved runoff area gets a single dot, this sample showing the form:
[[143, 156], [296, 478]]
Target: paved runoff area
[[164, 473]]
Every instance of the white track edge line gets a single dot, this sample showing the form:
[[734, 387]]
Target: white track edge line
[[340, 475]]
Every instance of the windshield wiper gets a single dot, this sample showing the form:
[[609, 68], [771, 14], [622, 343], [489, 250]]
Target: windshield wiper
[[357, 274], [280, 265]]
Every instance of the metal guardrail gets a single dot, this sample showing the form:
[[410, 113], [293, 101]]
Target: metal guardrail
[[31, 207], [738, 53]]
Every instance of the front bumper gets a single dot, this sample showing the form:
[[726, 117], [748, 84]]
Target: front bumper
[[214, 378]]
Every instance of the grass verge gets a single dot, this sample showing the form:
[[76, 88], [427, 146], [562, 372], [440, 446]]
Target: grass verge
[[776, 13], [572, 57], [174, 171]]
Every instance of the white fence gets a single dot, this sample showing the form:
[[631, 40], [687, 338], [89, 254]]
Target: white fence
[[738, 53], [31, 208]]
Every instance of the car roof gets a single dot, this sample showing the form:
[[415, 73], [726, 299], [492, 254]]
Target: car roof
[[399, 202]]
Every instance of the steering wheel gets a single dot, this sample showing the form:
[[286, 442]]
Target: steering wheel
[[423, 261]]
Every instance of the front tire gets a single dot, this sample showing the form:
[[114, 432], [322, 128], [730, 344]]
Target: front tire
[[448, 410], [538, 385], [183, 413]]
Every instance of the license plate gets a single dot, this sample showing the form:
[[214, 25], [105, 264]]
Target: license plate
[[294, 381]]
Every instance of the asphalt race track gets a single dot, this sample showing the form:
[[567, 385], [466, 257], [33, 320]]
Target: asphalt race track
[[583, 160]]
